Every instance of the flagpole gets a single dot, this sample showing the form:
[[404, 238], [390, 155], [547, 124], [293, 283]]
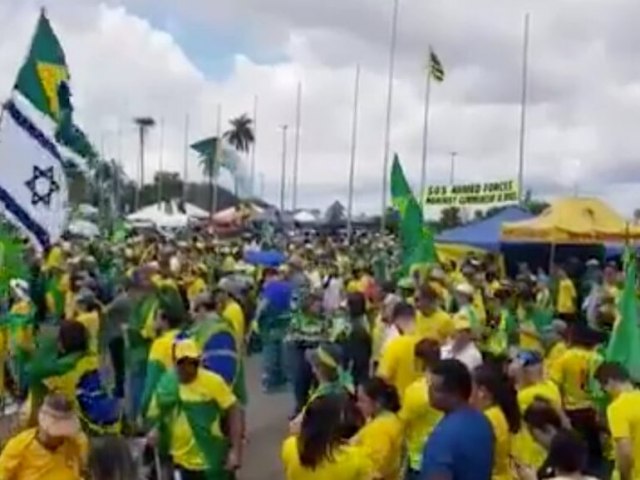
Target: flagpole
[[387, 131], [352, 164], [523, 107], [160, 161], [425, 132], [185, 171], [283, 172], [253, 147], [296, 154], [216, 159]]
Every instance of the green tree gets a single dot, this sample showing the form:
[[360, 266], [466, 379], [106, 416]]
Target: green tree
[[536, 207], [240, 135]]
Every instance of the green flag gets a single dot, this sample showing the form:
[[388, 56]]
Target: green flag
[[44, 81], [436, 70], [416, 239], [12, 259], [624, 344], [208, 149]]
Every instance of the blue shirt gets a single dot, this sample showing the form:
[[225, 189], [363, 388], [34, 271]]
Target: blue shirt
[[277, 293], [460, 446]]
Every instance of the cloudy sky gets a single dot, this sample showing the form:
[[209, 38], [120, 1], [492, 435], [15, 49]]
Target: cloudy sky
[[173, 58]]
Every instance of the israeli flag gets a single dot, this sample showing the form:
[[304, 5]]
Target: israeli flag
[[33, 185]]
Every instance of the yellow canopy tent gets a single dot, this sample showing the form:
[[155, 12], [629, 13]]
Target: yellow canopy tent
[[573, 221]]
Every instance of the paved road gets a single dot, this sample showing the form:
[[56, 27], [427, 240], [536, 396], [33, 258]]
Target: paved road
[[267, 426]]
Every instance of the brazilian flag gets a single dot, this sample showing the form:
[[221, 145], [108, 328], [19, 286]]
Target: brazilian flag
[[416, 239], [77, 376], [43, 80], [221, 353]]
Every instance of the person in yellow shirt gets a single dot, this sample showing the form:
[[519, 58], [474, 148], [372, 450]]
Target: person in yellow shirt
[[431, 320], [56, 449], [381, 438], [566, 302], [196, 284], [531, 384], [623, 418], [230, 309], [417, 415], [87, 312], [571, 372], [494, 395], [321, 449], [398, 365], [557, 340], [191, 408]]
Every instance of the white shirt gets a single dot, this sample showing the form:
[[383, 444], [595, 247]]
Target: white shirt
[[469, 355]]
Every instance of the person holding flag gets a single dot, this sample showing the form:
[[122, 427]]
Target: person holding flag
[[197, 418]]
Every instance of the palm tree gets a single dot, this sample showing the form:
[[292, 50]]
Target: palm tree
[[240, 135], [143, 124]]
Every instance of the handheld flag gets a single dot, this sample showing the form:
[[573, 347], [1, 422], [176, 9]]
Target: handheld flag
[[416, 240], [436, 70], [43, 83], [33, 187], [624, 344]]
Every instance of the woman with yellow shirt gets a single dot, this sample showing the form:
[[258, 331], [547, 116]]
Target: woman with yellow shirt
[[418, 417], [494, 395], [321, 451], [382, 437]]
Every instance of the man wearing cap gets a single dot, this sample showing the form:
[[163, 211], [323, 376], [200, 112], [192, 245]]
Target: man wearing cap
[[198, 418], [54, 450], [431, 320]]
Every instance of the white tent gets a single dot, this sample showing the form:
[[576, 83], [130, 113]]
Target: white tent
[[84, 228], [304, 216], [167, 215]]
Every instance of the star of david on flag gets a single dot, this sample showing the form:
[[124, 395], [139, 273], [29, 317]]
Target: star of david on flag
[[42, 185], [33, 187]]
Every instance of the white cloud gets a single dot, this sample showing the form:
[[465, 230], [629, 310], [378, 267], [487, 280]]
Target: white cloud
[[585, 85]]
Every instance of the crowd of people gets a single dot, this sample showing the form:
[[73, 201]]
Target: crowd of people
[[450, 371]]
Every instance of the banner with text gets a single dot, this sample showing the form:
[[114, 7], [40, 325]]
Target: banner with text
[[472, 194]]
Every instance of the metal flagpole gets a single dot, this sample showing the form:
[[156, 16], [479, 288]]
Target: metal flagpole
[[387, 131], [523, 107], [253, 147], [216, 159], [296, 154], [425, 132], [452, 171], [283, 173], [160, 161], [352, 165], [185, 172]]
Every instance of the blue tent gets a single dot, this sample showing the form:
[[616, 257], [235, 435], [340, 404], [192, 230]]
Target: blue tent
[[484, 233]]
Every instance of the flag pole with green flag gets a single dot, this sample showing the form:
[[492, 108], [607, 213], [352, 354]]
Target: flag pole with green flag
[[416, 240], [435, 71], [624, 344]]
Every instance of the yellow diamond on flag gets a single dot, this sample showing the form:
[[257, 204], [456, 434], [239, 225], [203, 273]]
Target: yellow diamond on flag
[[51, 76]]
